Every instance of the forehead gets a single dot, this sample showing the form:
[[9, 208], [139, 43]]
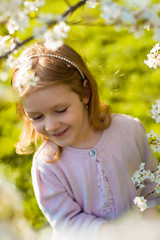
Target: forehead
[[42, 99]]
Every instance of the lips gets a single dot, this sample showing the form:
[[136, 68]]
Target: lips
[[60, 133]]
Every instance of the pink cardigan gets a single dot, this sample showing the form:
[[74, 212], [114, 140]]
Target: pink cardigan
[[86, 187]]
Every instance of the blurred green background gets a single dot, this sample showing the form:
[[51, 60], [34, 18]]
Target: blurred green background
[[116, 59]]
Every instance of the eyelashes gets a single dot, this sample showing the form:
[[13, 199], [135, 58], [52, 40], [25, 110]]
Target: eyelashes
[[36, 118], [40, 116], [61, 111]]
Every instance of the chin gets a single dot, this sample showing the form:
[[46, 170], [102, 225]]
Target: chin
[[62, 144]]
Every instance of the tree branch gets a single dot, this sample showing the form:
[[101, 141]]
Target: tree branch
[[49, 24]]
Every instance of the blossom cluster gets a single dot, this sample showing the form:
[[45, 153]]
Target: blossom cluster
[[139, 178], [7, 43], [133, 14], [13, 224], [19, 20], [25, 77], [141, 175]]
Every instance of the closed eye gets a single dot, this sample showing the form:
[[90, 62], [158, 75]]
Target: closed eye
[[36, 118], [61, 111], [40, 116]]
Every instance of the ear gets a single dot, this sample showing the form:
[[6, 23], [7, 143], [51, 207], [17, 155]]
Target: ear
[[86, 92]]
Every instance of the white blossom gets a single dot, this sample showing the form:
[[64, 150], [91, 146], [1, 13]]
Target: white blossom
[[134, 14], [110, 11], [153, 57], [31, 79], [3, 44], [157, 188], [141, 202], [154, 139], [54, 38], [138, 3], [128, 17], [138, 177], [147, 27], [33, 6], [156, 111], [61, 30], [40, 3], [52, 41], [25, 77], [11, 61], [18, 21], [141, 175], [3, 76], [157, 180], [91, 3], [6, 8], [148, 175]]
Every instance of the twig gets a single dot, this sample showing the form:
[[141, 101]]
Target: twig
[[49, 24], [149, 194]]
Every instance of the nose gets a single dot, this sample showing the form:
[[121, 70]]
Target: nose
[[51, 124]]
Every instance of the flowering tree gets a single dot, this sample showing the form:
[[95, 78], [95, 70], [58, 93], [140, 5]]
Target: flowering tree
[[134, 15]]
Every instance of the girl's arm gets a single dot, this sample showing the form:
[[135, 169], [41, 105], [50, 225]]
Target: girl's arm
[[61, 210]]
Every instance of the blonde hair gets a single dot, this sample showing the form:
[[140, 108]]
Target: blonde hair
[[51, 71]]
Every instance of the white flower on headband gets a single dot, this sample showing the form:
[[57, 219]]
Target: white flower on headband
[[25, 76], [28, 79], [27, 63]]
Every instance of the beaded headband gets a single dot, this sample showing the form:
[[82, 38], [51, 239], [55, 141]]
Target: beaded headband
[[60, 57]]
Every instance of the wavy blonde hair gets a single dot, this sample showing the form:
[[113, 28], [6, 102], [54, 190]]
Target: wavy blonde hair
[[53, 71]]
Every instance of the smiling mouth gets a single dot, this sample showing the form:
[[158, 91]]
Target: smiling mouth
[[61, 133]]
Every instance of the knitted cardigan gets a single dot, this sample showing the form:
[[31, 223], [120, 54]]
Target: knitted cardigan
[[86, 187]]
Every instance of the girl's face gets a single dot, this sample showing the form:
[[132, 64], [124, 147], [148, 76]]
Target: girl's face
[[57, 113]]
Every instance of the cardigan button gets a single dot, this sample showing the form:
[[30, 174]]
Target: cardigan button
[[92, 153]]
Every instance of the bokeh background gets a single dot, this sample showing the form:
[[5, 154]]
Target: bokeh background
[[116, 59]]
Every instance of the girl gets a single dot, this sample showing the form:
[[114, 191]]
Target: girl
[[82, 171]]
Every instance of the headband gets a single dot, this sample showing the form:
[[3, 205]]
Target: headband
[[60, 57]]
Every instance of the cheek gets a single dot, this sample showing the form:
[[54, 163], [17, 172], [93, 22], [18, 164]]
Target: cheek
[[71, 117], [38, 127]]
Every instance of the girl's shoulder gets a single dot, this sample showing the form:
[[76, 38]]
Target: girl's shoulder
[[125, 120], [122, 124], [45, 152]]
